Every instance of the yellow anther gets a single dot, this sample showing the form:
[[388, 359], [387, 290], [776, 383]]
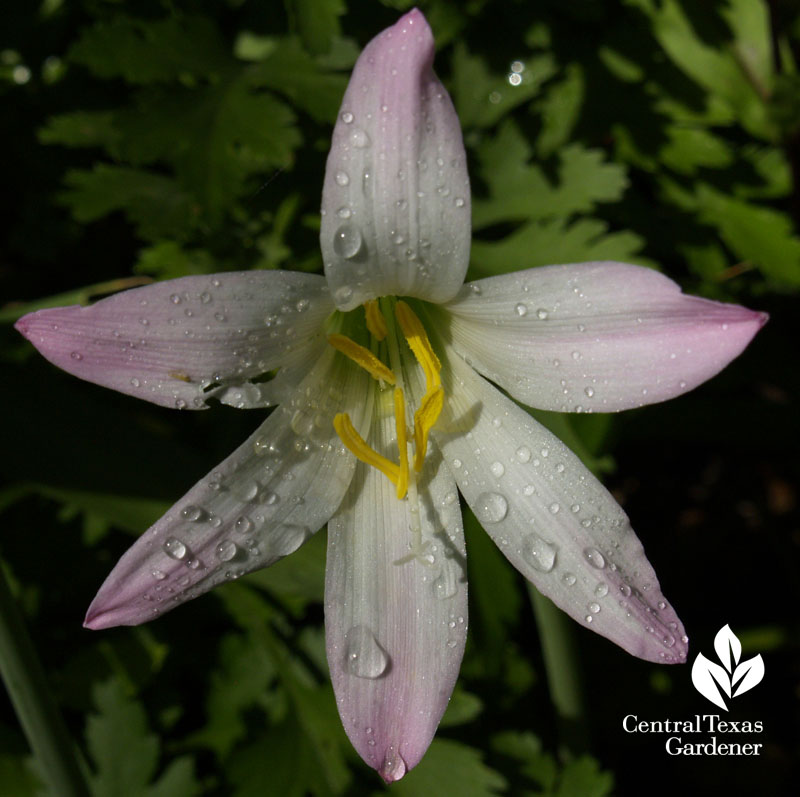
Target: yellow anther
[[424, 418], [402, 440], [376, 323], [363, 357], [418, 342], [356, 444]]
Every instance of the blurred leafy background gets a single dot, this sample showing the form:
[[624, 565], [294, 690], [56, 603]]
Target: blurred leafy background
[[153, 139]]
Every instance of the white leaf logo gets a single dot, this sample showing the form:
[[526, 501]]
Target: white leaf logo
[[732, 678]]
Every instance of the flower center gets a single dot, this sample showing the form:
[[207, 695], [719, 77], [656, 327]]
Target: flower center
[[383, 336]]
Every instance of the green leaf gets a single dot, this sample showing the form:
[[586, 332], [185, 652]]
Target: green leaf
[[692, 148], [519, 190], [147, 52], [290, 70], [235, 132], [156, 205], [317, 22], [463, 707], [81, 129], [760, 235], [314, 707], [584, 776], [737, 74], [17, 777], [168, 260], [556, 241], [559, 110], [235, 687], [455, 764], [120, 724], [481, 98]]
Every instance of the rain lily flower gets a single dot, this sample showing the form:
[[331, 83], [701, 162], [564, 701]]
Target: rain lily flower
[[385, 413]]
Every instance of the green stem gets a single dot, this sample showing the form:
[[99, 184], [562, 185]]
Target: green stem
[[25, 681], [561, 663]]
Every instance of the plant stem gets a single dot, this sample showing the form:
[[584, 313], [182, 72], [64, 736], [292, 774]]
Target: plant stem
[[563, 674], [25, 681]]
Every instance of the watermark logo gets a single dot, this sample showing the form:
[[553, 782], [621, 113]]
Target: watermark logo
[[731, 677]]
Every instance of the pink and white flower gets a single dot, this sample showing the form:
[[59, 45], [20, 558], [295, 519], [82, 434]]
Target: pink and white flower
[[348, 442]]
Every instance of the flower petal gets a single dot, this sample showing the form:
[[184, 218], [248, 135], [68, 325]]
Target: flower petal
[[256, 507], [395, 622], [396, 198], [552, 519], [595, 336], [171, 341]]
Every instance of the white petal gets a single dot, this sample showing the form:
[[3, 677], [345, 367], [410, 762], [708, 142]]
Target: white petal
[[594, 336], [256, 507], [552, 519], [169, 342], [395, 623], [396, 198]]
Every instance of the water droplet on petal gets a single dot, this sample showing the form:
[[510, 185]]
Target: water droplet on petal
[[491, 507], [76, 355], [446, 585], [342, 178], [364, 657], [542, 314], [524, 454], [594, 558], [226, 550], [569, 579], [393, 767], [601, 590], [521, 309], [243, 524], [174, 548], [497, 469], [347, 241], [539, 553], [359, 138], [347, 117], [192, 513], [594, 608]]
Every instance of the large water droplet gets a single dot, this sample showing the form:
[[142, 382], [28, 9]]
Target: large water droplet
[[359, 138], [174, 548], [539, 553], [393, 767], [192, 513], [524, 454], [446, 585], [521, 309], [243, 524], [347, 241], [491, 507], [342, 178], [497, 469], [594, 558], [226, 550], [364, 657]]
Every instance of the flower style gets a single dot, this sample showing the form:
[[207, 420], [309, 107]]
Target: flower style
[[385, 412]]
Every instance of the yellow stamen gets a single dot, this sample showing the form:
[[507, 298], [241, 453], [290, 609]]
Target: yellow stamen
[[418, 342], [402, 440], [363, 357], [376, 323], [424, 419], [356, 444]]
